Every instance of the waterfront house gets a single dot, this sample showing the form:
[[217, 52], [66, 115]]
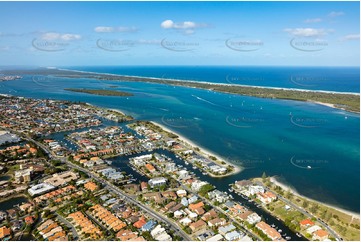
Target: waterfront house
[[306, 223], [3, 215], [255, 189], [199, 211], [196, 226], [5, 233], [17, 224], [253, 218], [266, 197], [243, 183], [320, 235], [313, 229], [158, 181], [11, 213], [268, 231], [144, 186], [218, 196]]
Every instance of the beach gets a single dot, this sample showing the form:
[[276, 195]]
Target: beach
[[293, 190], [203, 151]]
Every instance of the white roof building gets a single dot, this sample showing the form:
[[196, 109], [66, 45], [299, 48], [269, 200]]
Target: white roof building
[[40, 189]]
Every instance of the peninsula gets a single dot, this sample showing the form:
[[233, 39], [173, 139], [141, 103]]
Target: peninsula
[[345, 101]]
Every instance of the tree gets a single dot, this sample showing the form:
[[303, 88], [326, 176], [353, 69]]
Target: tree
[[264, 176], [305, 204]]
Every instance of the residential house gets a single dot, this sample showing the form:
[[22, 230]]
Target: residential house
[[196, 226], [216, 222], [320, 235], [253, 218], [268, 231], [232, 236], [306, 223], [226, 229]]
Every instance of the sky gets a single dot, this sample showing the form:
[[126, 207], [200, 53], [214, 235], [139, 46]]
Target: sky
[[180, 33]]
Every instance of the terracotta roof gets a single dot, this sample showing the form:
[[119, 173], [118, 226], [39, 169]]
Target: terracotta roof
[[4, 231]]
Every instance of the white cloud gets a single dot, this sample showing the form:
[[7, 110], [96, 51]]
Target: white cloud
[[57, 36], [307, 32], [350, 37], [313, 20], [121, 29], [335, 14], [188, 27]]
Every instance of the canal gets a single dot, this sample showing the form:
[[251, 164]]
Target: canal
[[122, 163], [10, 203]]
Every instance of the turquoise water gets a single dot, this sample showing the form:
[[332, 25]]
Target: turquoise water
[[313, 148]]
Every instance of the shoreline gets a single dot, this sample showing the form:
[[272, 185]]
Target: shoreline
[[214, 83], [330, 105], [286, 187], [203, 150]]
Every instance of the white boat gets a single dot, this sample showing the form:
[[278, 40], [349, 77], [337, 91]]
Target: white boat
[[298, 235], [280, 230], [288, 238], [186, 163], [273, 225], [230, 190], [194, 167], [309, 167]]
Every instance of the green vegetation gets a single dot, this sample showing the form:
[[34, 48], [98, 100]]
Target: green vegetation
[[100, 92]]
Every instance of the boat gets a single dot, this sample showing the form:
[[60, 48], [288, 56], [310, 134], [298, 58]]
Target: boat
[[288, 237], [230, 196], [194, 167], [230, 190], [298, 235], [309, 167], [280, 230], [273, 225], [250, 200], [204, 173], [186, 163]]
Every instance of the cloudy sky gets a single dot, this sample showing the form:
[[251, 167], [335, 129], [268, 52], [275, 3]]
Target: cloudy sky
[[180, 33]]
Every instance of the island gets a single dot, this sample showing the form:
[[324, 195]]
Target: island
[[100, 92]]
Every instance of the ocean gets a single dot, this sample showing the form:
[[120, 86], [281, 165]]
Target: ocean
[[312, 148]]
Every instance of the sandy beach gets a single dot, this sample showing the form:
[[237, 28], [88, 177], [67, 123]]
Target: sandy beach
[[293, 190], [204, 151]]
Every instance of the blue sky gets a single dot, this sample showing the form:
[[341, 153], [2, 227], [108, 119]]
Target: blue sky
[[180, 33]]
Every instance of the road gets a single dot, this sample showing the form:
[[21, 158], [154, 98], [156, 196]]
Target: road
[[219, 210], [116, 190], [63, 220], [306, 213]]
